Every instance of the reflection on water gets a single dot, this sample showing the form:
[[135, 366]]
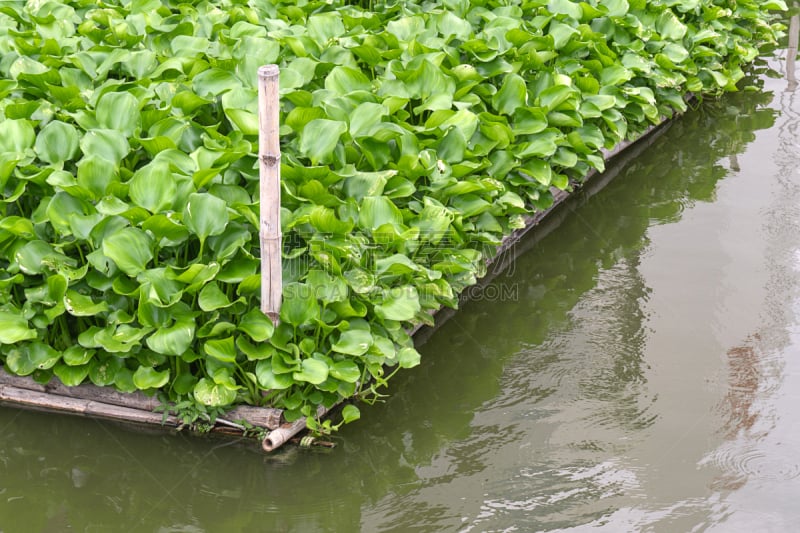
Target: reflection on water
[[640, 374]]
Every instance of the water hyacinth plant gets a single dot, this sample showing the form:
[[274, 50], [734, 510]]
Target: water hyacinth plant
[[414, 137]]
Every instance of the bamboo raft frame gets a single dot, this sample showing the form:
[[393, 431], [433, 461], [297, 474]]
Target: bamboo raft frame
[[138, 409]]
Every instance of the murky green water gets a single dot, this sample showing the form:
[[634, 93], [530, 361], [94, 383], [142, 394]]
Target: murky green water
[[637, 368]]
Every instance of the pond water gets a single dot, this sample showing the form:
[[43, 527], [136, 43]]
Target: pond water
[[636, 368]]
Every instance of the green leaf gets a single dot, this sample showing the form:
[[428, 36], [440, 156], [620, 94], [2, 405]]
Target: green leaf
[[16, 135], [96, 174], [212, 394], [615, 75], [270, 380], [538, 170], [345, 80], [78, 304], [565, 7], [299, 304], [214, 81], [166, 230], [149, 378], [346, 370], [323, 27], [77, 355], [401, 303], [14, 328], [257, 325], [130, 249], [554, 96], [365, 117], [408, 357], [512, 95], [561, 34], [353, 342], [104, 372], [375, 211], [36, 256], [616, 8], [28, 358], [71, 376], [324, 219], [57, 142], [212, 298], [110, 145], [669, 26], [312, 371], [205, 215], [350, 413], [254, 352], [153, 187], [544, 144], [118, 111], [319, 139], [173, 340], [529, 121], [222, 350]]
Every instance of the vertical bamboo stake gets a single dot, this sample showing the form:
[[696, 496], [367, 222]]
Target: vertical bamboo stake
[[794, 35], [269, 157]]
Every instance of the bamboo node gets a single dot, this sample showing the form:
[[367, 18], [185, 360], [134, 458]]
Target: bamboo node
[[268, 71], [271, 160]]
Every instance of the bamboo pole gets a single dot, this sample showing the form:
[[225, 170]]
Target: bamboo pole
[[269, 157], [278, 437], [265, 417], [43, 401], [791, 53]]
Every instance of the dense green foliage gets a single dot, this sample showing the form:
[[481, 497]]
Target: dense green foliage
[[414, 138]]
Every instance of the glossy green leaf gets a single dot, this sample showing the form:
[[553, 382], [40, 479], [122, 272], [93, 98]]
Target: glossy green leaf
[[212, 394], [153, 187], [512, 95], [353, 342], [57, 142], [319, 139], [408, 357], [299, 304], [104, 372], [212, 298], [205, 215], [16, 135], [110, 145], [222, 350], [257, 325], [14, 328], [149, 378], [399, 304], [375, 211], [346, 370], [173, 340], [27, 358], [269, 379], [71, 376], [78, 304], [312, 371], [77, 355], [350, 413], [118, 111], [130, 249], [96, 174]]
